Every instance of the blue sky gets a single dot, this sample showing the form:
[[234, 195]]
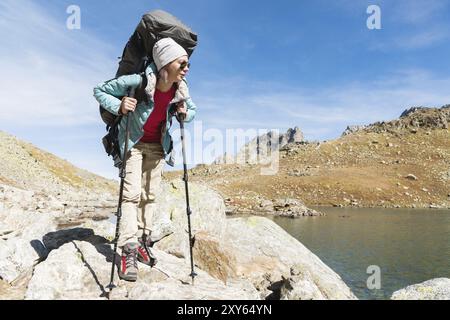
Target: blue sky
[[259, 64]]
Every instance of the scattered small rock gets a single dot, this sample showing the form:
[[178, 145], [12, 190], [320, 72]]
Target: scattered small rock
[[411, 177]]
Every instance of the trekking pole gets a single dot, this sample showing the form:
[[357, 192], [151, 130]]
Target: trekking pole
[[180, 118], [122, 175]]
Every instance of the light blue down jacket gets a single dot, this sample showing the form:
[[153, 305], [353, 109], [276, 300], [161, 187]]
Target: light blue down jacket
[[109, 92]]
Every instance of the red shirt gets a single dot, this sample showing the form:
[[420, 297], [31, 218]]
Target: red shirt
[[152, 128]]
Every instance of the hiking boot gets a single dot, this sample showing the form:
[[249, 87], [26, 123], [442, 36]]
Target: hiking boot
[[144, 254], [128, 264]]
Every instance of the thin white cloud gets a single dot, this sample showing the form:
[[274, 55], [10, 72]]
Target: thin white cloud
[[424, 39], [48, 75], [414, 39], [48, 69], [409, 12], [418, 11], [383, 98], [412, 24]]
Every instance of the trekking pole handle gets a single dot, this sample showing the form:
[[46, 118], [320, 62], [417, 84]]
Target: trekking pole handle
[[180, 116], [131, 92]]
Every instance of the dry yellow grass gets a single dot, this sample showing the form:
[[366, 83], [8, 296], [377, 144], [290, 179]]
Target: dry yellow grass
[[26, 166]]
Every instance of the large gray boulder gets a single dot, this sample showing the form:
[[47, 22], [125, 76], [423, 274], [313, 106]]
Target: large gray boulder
[[256, 248], [80, 270], [29, 221], [266, 254], [208, 214], [66, 274], [434, 289], [20, 245]]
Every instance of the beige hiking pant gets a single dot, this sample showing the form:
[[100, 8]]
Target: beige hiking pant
[[142, 185]]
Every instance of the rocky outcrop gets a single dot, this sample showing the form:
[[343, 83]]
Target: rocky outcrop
[[293, 208], [288, 207], [235, 258], [291, 136], [409, 121], [260, 148], [265, 254], [80, 270], [352, 129], [434, 289]]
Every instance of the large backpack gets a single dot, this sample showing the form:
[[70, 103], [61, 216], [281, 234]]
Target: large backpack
[[136, 56]]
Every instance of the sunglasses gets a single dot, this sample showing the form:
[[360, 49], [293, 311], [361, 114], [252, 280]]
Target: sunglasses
[[184, 65]]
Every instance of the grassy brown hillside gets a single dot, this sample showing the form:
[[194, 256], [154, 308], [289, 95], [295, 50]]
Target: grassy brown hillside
[[30, 168], [400, 163]]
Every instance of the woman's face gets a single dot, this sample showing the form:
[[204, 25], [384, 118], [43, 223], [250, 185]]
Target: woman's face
[[178, 69]]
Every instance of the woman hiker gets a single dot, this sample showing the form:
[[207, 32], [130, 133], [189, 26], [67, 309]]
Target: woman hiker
[[165, 93]]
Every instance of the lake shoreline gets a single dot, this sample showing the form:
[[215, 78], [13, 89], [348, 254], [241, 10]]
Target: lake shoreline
[[323, 207]]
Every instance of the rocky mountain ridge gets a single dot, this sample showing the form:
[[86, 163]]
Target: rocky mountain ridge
[[261, 146], [409, 121], [400, 163]]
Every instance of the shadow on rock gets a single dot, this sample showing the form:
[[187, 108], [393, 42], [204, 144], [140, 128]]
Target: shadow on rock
[[91, 270], [275, 287], [40, 249], [54, 240]]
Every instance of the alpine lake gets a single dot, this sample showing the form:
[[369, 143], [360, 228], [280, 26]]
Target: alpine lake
[[377, 251]]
